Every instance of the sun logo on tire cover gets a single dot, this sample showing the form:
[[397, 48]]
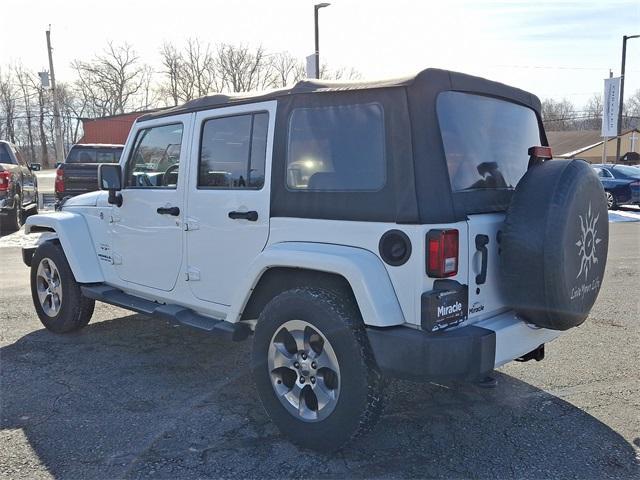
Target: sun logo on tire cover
[[587, 242]]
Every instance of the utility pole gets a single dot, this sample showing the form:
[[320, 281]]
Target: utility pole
[[56, 107], [622, 68]]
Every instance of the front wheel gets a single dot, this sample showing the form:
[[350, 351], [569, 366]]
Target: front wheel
[[57, 297], [314, 370]]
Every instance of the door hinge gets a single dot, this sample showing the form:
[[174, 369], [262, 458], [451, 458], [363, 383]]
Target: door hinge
[[192, 275], [191, 224], [114, 218], [116, 259]]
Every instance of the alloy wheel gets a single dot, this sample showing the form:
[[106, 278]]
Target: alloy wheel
[[304, 371], [49, 287]]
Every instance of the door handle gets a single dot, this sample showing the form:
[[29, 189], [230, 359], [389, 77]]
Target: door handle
[[481, 246], [252, 215], [175, 211]]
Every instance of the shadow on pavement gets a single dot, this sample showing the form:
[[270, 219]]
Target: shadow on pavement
[[128, 398]]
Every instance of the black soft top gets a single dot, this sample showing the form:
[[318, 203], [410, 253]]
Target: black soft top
[[417, 189], [437, 78]]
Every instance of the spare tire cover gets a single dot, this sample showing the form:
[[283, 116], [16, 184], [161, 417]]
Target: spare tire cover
[[554, 244]]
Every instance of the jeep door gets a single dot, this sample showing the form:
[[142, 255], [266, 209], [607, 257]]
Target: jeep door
[[228, 197], [147, 231]]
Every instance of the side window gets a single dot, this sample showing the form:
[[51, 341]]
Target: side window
[[233, 152], [155, 157], [338, 148]]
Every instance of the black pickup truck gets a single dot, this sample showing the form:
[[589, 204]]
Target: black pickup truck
[[79, 172], [18, 188]]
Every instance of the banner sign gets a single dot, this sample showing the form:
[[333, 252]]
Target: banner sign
[[610, 107]]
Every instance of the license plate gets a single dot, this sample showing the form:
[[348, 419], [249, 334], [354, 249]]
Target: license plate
[[444, 308]]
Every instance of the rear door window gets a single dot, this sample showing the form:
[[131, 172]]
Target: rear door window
[[485, 140]]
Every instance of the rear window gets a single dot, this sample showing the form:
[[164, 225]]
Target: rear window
[[4, 155], [485, 140], [336, 148], [94, 155]]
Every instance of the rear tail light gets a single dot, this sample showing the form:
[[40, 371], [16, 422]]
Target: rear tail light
[[442, 253], [5, 180], [541, 152], [59, 183]]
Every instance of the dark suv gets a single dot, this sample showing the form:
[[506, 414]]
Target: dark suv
[[18, 187]]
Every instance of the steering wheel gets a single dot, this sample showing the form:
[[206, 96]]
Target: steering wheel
[[172, 171]]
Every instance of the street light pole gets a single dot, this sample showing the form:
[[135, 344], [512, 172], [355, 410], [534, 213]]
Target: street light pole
[[622, 68], [315, 19]]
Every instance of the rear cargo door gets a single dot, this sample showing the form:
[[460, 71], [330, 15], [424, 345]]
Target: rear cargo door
[[484, 267], [486, 142]]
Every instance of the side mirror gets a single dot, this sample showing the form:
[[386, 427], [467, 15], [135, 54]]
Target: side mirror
[[110, 178], [36, 167]]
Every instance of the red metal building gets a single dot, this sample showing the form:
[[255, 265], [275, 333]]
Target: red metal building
[[112, 130]]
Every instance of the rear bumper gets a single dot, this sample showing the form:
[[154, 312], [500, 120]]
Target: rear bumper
[[465, 353]]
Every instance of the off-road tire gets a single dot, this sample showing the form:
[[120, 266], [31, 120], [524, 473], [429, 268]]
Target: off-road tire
[[76, 309], [13, 222], [359, 404]]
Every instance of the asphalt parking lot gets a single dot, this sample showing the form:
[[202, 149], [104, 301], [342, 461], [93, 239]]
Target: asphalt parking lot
[[132, 397]]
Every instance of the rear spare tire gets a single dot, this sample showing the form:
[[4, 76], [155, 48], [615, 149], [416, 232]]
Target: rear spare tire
[[554, 244]]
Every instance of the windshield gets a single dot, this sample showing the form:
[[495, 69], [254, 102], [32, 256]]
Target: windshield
[[94, 155], [485, 140]]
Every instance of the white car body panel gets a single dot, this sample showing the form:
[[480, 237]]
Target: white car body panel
[[74, 235], [363, 270]]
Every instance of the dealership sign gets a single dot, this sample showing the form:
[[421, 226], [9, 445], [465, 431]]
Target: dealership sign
[[610, 107]]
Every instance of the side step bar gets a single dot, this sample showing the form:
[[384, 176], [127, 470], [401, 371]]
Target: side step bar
[[174, 314]]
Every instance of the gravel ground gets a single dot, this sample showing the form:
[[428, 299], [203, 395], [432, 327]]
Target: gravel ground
[[132, 397]]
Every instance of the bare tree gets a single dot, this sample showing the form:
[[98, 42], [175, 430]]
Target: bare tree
[[8, 99], [243, 69], [632, 110], [111, 81], [25, 80], [172, 63], [190, 73], [558, 114], [286, 69], [342, 73], [592, 113]]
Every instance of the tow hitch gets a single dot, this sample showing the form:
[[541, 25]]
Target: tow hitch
[[537, 355]]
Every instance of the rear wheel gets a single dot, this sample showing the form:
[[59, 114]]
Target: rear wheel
[[611, 201], [13, 221], [57, 297], [314, 370]]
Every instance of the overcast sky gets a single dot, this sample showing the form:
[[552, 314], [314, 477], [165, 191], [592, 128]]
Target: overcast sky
[[552, 48]]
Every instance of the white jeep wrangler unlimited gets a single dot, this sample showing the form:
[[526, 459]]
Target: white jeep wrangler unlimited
[[410, 228]]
